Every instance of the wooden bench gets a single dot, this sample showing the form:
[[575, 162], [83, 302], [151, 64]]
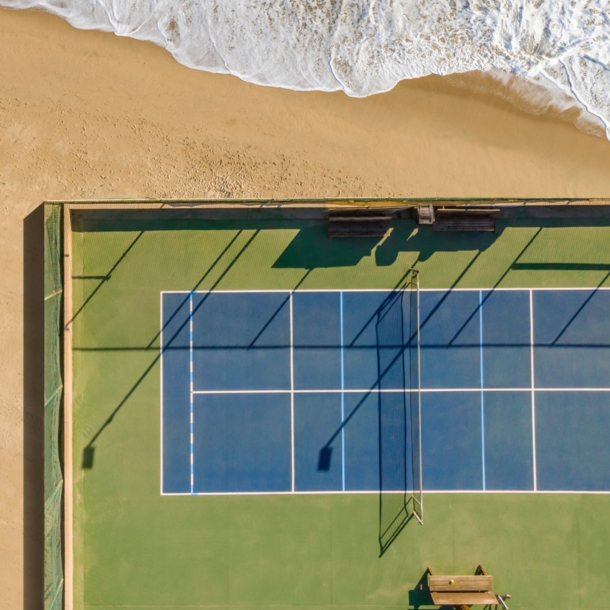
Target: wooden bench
[[458, 590], [465, 219], [359, 225], [360, 222]]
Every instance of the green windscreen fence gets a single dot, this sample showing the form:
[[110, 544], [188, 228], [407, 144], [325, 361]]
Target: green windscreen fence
[[53, 480]]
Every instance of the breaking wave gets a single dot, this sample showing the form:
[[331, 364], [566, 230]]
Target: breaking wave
[[560, 48]]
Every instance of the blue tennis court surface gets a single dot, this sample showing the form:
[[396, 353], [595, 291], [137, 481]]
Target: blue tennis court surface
[[266, 392]]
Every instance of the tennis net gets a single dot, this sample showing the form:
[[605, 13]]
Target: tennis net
[[397, 329], [417, 500]]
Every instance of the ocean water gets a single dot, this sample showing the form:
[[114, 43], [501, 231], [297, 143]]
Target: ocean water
[[559, 49]]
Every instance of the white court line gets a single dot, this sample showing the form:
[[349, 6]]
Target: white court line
[[512, 491], [161, 385], [248, 391], [485, 289], [401, 391], [482, 390], [191, 393], [571, 389], [342, 395], [292, 458], [357, 492], [532, 382]]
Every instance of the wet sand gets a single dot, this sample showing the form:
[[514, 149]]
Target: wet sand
[[86, 114]]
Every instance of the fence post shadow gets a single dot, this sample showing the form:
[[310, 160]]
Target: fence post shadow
[[33, 410]]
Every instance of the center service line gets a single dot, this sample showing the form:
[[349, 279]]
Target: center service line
[[482, 393], [533, 390], [342, 395], [191, 393], [292, 460]]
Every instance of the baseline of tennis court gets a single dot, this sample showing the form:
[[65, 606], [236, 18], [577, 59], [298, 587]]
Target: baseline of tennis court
[[286, 392]]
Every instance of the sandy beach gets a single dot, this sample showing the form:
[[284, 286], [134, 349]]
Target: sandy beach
[[85, 114]]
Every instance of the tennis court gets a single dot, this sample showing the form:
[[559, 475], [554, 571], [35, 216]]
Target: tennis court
[[256, 415], [279, 378]]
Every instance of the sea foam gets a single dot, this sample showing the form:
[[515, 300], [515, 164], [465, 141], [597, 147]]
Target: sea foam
[[366, 46]]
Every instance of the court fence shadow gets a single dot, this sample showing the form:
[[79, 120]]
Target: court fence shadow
[[33, 410], [89, 450]]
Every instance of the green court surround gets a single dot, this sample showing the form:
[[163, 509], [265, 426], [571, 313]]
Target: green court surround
[[137, 549]]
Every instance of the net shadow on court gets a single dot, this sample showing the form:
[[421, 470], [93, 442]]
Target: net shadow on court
[[398, 412], [393, 426], [400, 473]]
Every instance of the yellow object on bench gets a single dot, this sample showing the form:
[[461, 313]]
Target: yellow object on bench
[[460, 590]]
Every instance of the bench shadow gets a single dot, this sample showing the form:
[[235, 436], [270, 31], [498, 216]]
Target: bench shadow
[[311, 248], [419, 595], [407, 236]]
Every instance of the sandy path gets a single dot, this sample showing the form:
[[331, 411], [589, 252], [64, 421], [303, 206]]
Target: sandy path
[[90, 115]]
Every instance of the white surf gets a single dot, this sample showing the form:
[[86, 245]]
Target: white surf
[[560, 47]]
